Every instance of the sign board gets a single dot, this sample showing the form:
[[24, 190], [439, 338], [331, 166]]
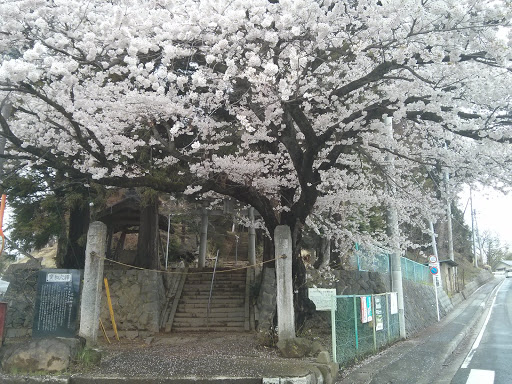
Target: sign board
[[322, 298], [366, 309], [56, 303], [379, 319], [434, 270], [432, 259], [393, 303]]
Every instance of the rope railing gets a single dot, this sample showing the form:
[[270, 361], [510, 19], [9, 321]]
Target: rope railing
[[227, 270]]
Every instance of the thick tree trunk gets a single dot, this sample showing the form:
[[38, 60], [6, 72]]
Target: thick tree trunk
[[304, 307], [323, 254], [147, 243], [71, 246]]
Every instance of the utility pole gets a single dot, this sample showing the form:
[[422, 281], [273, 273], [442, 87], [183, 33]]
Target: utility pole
[[473, 226], [393, 231], [449, 215]]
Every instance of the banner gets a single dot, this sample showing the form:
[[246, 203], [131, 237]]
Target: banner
[[366, 309]]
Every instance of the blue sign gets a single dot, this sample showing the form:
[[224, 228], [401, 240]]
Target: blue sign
[[434, 270]]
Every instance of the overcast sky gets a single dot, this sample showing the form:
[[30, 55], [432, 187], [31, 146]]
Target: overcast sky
[[493, 212]]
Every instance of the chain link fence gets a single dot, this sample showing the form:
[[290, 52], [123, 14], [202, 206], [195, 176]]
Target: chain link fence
[[379, 261], [363, 324], [414, 271]]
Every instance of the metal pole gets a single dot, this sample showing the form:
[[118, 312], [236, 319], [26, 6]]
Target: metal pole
[[449, 218], [168, 236], [236, 249], [393, 230], [437, 299], [211, 290], [204, 238], [434, 248], [252, 238], [355, 323], [473, 226]]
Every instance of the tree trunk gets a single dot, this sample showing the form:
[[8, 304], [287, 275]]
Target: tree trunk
[[304, 307], [147, 243], [71, 245], [323, 253]]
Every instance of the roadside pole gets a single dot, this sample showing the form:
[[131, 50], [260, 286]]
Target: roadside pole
[[434, 266], [434, 249], [393, 232]]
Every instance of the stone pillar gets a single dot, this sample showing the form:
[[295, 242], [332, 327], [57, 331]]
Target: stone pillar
[[204, 238], [93, 279], [283, 254], [252, 238]]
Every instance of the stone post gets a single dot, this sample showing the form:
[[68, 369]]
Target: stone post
[[283, 254], [93, 279], [204, 238], [252, 238]]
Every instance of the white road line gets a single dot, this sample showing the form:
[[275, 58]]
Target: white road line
[[479, 376], [468, 358]]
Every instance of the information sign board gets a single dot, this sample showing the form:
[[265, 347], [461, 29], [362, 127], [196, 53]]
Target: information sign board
[[379, 320], [56, 303], [322, 298], [366, 309]]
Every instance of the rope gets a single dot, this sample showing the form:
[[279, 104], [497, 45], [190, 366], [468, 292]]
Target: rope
[[184, 273]]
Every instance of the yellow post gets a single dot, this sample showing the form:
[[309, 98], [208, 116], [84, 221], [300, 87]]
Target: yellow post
[[111, 310]]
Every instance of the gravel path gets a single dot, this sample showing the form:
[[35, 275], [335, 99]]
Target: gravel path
[[202, 355]]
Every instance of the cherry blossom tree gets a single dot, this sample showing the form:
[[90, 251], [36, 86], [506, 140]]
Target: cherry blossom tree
[[277, 103]]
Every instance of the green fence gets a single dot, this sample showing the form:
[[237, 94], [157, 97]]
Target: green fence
[[372, 261], [414, 271], [378, 261], [363, 324]]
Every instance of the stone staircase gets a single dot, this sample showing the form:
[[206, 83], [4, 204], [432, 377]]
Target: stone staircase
[[229, 308]]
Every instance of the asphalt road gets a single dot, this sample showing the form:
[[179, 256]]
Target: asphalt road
[[488, 360]]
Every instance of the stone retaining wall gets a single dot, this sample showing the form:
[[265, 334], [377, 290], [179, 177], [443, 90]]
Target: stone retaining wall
[[419, 299], [137, 297], [136, 300], [21, 299]]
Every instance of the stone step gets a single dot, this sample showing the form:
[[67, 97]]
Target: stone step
[[206, 295], [216, 287], [216, 282], [218, 271], [235, 316], [179, 323], [186, 306], [205, 299], [209, 329]]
